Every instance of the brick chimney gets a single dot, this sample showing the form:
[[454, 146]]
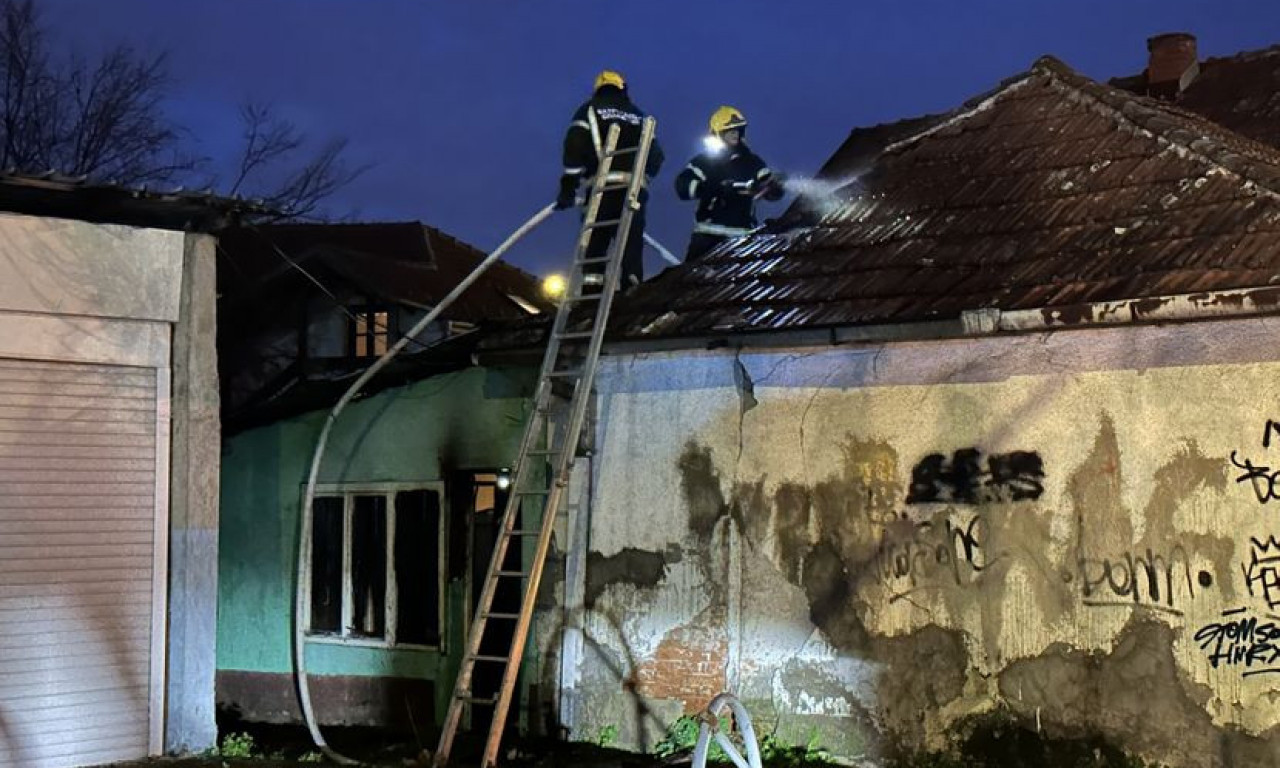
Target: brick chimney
[[1172, 64]]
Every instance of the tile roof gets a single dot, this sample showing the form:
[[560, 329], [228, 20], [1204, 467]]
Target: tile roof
[[403, 262], [1240, 92], [1052, 190]]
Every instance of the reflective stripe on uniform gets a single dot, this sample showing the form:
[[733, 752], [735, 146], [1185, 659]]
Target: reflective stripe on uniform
[[693, 188], [575, 171], [617, 177], [760, 174], [580, 124], [697, 171], [707, 228], [595, 132]]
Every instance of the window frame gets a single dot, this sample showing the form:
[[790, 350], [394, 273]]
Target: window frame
[[347, 492], [368, 313]]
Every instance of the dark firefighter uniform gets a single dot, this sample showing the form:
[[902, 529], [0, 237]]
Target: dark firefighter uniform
[[609, 105], [726, 182]]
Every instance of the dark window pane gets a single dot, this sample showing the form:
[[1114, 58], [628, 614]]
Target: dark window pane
[[417, 567], [326, 565], [369, 566]]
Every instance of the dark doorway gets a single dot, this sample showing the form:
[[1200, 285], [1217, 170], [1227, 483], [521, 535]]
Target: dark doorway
[[480, 498]]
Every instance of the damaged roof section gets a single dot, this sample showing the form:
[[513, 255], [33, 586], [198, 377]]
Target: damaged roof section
[[1052, 191], [403, 262]]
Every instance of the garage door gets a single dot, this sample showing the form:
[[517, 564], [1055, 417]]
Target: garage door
[[78, 453]]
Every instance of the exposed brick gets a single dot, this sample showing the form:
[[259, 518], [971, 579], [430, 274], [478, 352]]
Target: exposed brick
[[688, 665]]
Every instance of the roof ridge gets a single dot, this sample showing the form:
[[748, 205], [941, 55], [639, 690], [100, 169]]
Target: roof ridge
[[1257, 53], [967, 109], [482, 255], [1144, 115]]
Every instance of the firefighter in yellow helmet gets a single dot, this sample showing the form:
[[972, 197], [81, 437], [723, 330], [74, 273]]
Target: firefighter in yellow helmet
[[609, 105], [726, 179]]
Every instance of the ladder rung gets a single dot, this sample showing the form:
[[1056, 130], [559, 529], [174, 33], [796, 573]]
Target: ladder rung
[[566, 373], [594, 260], [525, 532], [490, 700], [586, 297], [621, 152], [576, 335], [497, 615], [612, 187], [533, 492], [605, 223], [543, 452], [501, 659], [521, 574]]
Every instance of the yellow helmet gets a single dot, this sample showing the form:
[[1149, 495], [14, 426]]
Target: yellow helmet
[[725, 119], [609, 77]]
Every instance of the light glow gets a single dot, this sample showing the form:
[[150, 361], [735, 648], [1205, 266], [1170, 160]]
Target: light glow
[[713, 144], [553, 286]]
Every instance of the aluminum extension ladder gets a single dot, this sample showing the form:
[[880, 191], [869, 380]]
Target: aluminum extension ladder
[[532, 491]]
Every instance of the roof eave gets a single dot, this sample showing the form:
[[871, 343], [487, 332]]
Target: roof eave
[[1186, 307]]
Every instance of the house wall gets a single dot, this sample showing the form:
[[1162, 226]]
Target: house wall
[[76, 292], [857, 542], [419, 433]]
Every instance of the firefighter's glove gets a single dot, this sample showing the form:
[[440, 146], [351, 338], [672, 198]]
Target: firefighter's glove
[[568, 193]]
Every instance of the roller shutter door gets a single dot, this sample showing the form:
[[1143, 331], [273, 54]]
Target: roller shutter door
[[78, 518]]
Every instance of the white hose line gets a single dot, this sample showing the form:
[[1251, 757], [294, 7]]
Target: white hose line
[[304, 526], [657, 246], [712, 714]]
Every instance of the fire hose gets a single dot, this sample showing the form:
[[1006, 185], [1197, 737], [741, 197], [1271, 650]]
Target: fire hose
[[304, 533], [303, 549], [710, 728]]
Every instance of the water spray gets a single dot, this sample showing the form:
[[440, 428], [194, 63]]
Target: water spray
[[822, 196]]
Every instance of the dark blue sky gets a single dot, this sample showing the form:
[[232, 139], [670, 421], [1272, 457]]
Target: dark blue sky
[[460, 106]]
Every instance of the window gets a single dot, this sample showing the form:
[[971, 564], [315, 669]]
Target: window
[[371, 332], [376, 568]]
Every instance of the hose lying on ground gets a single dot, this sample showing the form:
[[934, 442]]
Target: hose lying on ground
[[711, 727], [303, 549]]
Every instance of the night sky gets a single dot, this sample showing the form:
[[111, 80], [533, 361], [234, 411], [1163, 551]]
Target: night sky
[[460, 107]]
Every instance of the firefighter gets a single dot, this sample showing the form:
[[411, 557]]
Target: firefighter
[[609, 105], [726, 179]]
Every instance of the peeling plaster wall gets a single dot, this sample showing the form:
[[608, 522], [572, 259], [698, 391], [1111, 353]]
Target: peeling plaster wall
[[876, 542]]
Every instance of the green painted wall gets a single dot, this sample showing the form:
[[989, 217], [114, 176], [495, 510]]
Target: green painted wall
[[469, 419]]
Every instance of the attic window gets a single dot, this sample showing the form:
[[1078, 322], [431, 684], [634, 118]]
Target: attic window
[[370, 332]]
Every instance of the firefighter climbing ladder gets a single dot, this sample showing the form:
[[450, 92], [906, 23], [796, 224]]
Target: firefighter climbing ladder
[[564, 366]]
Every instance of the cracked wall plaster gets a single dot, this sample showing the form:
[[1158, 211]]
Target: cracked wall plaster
[[1078, 530]]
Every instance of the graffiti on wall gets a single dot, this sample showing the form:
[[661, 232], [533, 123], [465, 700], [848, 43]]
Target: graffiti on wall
[[1262, 571], [926, 552], [1242, 641], [1261, 477], [949, 550], [967, 479], [1157, 580]]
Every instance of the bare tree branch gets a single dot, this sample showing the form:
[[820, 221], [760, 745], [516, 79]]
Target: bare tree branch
[[104, 119], [271, 142]]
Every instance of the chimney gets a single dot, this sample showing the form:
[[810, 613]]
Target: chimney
[[1172, 64]]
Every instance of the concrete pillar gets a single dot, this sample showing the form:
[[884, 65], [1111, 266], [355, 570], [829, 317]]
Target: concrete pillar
[[190, 724]]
